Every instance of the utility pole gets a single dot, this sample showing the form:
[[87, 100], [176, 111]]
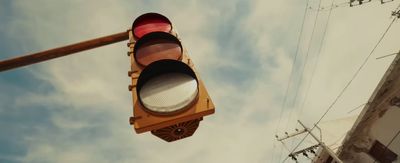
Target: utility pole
[[310, 149], [322, 144]]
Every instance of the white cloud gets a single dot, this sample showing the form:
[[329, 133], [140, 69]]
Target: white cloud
[[94, 83]]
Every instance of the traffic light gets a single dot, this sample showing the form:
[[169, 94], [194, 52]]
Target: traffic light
[[169, 98]]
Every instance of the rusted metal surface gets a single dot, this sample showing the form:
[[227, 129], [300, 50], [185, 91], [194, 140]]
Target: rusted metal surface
[[61, 51]]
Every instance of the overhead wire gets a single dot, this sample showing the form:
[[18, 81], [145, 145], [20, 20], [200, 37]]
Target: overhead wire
[[330, 7], [359, 106], [292, 70], [306, 61], [300, 109], [357, 72], [348, 84], [317, 61], [304, 65], [343, 4], [337, 140], [386, 56], [398, 132]]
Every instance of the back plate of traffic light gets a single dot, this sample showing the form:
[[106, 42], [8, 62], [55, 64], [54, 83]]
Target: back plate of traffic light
[[144, 120]]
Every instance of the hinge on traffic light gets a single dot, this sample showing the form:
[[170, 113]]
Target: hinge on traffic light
[[131, 72], [130, 43], [130, 87], [133, 119]]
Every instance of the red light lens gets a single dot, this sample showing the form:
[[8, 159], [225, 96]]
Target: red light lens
[[150, 22]]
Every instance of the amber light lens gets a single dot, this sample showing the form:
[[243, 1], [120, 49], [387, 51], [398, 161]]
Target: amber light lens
[[157, 46]]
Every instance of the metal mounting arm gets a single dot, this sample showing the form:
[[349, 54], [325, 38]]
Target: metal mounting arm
[[61, 51]]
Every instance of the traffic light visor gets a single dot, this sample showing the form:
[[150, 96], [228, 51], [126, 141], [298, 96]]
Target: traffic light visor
[[150, 22], [167, 86]]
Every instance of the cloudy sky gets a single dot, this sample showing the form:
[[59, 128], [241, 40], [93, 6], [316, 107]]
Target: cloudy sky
[[76, 108]]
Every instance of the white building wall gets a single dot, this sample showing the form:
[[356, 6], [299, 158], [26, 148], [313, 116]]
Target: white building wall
[[385, 129]]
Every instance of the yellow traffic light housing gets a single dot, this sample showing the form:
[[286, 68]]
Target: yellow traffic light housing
[[168, 96]]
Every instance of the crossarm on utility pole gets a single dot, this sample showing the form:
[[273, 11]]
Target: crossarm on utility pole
[[291, 135], [61, 51], [327, 149], [305, 149]]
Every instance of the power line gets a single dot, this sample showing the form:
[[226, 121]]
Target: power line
[[348, 84], [330, 12], [330, 7], [343, 4], [316, 64], [318, 54], [359, 106], [357, 72], [291, 73], [303, 67], [386, 56], [292, 70], [337, 140]]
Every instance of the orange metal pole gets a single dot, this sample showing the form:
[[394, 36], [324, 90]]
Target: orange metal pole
[[61, 51]]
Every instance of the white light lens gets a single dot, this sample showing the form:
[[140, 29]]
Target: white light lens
[[169, 92]]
